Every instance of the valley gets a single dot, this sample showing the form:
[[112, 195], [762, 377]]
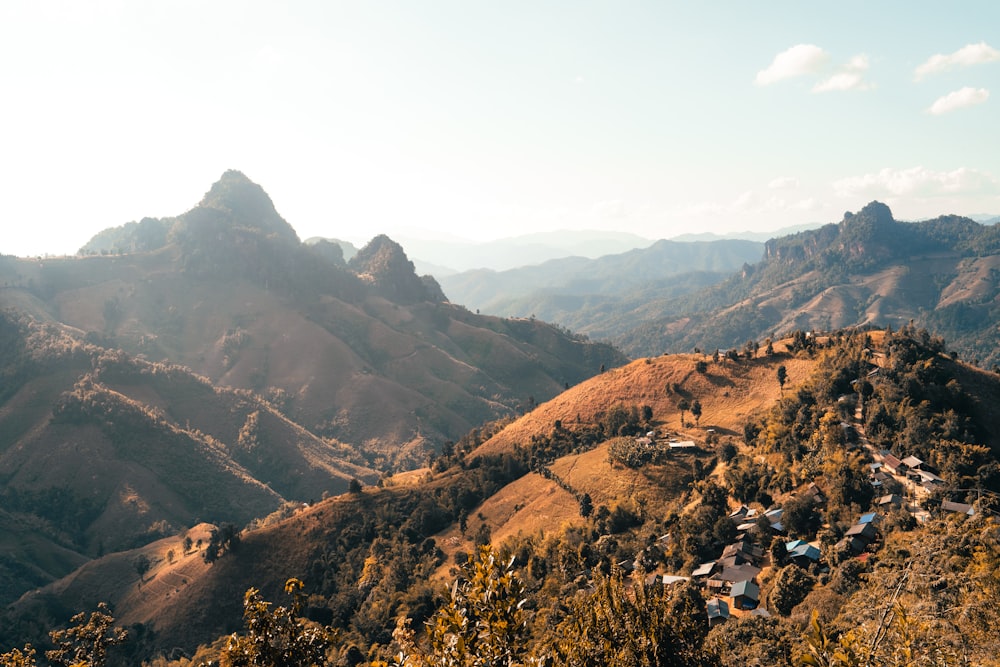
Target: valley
[[215, 408]]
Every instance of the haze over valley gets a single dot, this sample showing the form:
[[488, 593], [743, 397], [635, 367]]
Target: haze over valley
[[452, 334]]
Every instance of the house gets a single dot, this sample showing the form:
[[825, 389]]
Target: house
[[804, 554], [740, 513], [745, 594], [683, 444], [743, 551], [793, 545], [925, 478], [718, 612], [704, 570], [958, 508], [862, 531], [853, 544], [879, 479], [732, 574], [893, 465], [870, 517], [912, 462], [890, 500], [813, 493]]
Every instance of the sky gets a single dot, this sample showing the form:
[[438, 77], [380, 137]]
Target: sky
[[482, 120]]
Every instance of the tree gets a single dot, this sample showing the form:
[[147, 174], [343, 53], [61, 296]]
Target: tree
[[799, 517], [782, 376], [683, 405], [482, 624], [86, 642], [791, 586], [221, 541], [753, 640], [278, 637], [354, 486], [696, 411], [701, 366], [19, 657], [586, 505], [142, 565], [633, 626]]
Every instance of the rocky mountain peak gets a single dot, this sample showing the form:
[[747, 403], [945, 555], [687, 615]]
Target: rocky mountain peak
[[247, 205], [874, 215], [384, 264]]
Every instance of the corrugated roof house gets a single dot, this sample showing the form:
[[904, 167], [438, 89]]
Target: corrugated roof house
[[863, 531], [704, 570], [890, 499], [804, 554], [958, 508], [870, 517], [894, 465], [718, 611], [745, 594]]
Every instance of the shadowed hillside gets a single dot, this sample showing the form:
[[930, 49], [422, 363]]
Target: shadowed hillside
[[367, 353], [100, 451]]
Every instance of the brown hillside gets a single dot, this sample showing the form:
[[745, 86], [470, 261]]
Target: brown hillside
[[729, 393], [375, 359], [534, 505], [101, 451]]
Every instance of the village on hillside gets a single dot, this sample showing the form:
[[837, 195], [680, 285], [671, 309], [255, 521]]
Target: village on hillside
[[731, 582]]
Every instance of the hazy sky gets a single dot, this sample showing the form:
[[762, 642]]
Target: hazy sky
[[487, 119]]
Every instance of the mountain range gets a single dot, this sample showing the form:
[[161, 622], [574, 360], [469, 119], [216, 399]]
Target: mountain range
[[573, 487], [214, 368], [867, 269], [200, 405]]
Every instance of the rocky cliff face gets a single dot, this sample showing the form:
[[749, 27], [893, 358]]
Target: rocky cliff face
[[384, 264], [870, 233]]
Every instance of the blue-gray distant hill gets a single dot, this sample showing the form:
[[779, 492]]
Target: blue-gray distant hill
[[867, 270], [601, 297]]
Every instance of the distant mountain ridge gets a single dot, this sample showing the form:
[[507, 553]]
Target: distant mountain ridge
[[867, 269], [445, 257], [580, 293]]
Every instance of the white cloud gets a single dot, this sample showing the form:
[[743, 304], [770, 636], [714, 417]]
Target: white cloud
[[959, 99], [796, 61], [973, 54], [917, 182], [850, 77], [784, 183], [751, 203]]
